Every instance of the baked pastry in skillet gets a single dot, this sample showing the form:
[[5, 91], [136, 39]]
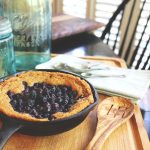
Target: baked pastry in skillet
[[44, 96]]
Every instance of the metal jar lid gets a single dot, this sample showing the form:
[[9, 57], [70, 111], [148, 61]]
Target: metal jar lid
[[5, 26]]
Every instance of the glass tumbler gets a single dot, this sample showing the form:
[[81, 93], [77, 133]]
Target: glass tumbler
[[31, 24], [7, 57]]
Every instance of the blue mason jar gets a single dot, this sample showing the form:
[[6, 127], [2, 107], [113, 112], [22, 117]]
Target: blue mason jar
[[31, 24], [7, 57]]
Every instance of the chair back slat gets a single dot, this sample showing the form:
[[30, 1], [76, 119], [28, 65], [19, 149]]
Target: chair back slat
[[143, 52], [149, 68], [146, 63], [120, 23], [108, 38], [140, 40], [127, 29], [109, 25], [133, 34]]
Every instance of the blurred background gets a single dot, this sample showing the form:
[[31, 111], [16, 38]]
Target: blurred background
[[130, 32]]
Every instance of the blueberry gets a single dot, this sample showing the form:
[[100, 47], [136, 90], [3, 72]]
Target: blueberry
[[17, 96], [72, 101], [20, 108], [39, 91], [58, 89], [64, 89], [48, 108], [65, 102], [58, 92], [44, 85], [14, 103], [25, 84], [37, 85], [67, 97], [20, 102], [38, 107], [40, 85], [74, 93], [70, 96], [49, 97], [31, 102], [33, 94], [53, 97], [45, 91], [60, 99], [27, 109], [46, 115], [26, 94], [10, 94], [41, 109], [65, 109], [52, 101], [39, 98], [34, 113], [45, 99], [53, 89], [55, 107]]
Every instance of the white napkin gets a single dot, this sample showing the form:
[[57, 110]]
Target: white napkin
[[106, 79]]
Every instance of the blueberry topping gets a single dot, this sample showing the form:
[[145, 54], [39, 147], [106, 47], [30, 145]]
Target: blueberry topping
[[25, 84], [10, 94], [43, 100], [31, 102]]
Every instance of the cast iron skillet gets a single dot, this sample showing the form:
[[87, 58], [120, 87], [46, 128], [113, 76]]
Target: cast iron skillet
[[11, 125]]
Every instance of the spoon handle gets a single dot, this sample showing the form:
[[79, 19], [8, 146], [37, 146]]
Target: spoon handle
[[101, 134]]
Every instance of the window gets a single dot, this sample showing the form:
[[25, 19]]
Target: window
[[75, 7], [104, 11]]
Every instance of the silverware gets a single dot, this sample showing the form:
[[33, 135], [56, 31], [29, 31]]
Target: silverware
[[90, 70], [80, 68], [103, 74]]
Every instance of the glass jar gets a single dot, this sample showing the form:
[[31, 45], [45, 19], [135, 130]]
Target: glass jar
[[7, 57], [31, 24]]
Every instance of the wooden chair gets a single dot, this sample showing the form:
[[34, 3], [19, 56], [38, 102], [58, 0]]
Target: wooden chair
[[136, 61], [102, 48]]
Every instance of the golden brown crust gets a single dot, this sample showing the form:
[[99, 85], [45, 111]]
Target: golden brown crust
[[15, 85]]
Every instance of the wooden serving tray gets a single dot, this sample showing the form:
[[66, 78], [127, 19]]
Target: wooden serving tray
[[129, 136]]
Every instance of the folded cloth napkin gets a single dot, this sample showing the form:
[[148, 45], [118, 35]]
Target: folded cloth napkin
[[106, 79]]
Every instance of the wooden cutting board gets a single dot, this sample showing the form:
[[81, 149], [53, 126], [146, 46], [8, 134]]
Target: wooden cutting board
[[129, 136]]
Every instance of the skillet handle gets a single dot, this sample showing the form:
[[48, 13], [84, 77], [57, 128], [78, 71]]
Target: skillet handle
[[9, 128]]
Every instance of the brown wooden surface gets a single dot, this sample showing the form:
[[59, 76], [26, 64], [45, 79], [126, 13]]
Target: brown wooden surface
[[129, 136], [66, 25]]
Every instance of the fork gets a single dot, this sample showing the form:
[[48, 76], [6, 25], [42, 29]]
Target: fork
[[80, 68], [111, 113]]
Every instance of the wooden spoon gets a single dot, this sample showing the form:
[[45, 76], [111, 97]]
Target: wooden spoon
[[111, 113]]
